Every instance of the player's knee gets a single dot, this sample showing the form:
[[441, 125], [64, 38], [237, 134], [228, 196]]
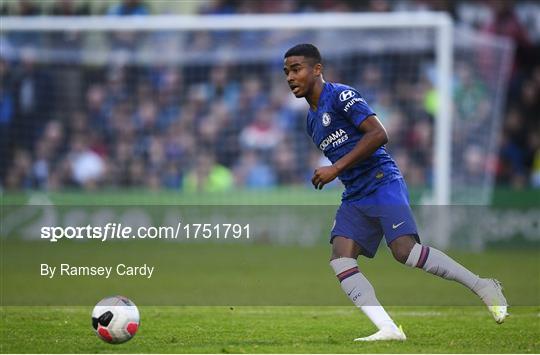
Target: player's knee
[[344, 248], [336, 254], [401, 254], [401, 248]]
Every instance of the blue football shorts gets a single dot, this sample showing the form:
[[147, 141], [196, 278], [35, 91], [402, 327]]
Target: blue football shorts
[[385, 211]]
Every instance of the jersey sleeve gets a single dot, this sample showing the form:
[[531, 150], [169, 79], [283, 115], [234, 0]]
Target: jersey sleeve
[[349, 103]]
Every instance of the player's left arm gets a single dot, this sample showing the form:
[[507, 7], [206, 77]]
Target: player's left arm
[[374, 137]]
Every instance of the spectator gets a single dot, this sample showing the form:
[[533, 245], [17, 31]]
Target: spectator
[[124, 43], [287, 169], [121, 163], [263, 133], [47, 152], [33, 88], [87, 167], [128, 7], [207, 176], [27, 8], [96, 108], [253, 172], [513, 153], [69, 8], [217, 7], [535, 173], [137, 172], [252, 92], [68, 40], [221, 87], [211, 126], [371, 83], [469, 91], [19, 175], [172, 177], [7, 109], [169, 91], [505, 22]]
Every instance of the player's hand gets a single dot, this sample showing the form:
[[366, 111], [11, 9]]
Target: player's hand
[[323, 175]]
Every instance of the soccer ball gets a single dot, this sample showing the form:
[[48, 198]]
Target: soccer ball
[[115, 319]]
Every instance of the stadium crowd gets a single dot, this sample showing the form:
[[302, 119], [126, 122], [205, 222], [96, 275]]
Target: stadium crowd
[[211, 127]]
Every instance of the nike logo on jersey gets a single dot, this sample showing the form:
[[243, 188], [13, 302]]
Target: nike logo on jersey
[[395, 226]]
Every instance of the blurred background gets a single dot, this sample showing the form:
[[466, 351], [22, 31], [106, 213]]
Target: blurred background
[[83, 121], [201, 116]]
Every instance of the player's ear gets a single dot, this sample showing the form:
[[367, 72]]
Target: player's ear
[[317, 69]]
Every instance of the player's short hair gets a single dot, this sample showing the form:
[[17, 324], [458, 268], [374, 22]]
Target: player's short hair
[[306, 50]]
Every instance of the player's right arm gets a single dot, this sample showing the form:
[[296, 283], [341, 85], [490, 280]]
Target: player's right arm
[[374, 137], [353, 107]]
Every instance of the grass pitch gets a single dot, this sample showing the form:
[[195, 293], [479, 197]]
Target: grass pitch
[[293, 329], [255, 276]]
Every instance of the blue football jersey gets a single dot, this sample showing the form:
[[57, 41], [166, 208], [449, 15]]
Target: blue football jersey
[[334, 129]]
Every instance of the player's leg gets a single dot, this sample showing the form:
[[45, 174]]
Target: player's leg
[[345, 250], [407, 251], [401, 235], [356, 286]]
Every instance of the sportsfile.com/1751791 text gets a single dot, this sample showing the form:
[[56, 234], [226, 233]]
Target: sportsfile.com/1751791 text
[[118, 231]]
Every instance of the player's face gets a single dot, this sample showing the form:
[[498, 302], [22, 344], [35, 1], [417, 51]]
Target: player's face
[[301, 75]]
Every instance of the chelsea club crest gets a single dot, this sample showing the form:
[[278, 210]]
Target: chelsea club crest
[[326, 119]]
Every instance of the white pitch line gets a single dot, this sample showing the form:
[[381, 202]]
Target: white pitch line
[[417, 314]]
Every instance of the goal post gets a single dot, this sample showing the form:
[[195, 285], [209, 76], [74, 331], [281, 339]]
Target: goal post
[[443, 126]]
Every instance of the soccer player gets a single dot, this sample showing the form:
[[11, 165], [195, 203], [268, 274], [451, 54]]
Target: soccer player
[[375, 201]]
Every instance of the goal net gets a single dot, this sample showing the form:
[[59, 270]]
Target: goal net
[[200, 104]]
